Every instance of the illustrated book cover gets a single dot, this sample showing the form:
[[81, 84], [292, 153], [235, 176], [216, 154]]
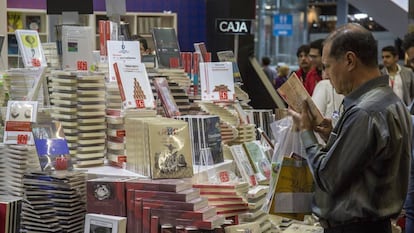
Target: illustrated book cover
[[77, 47], [30, 48], [167, 47], [122, 52], [217, 82]]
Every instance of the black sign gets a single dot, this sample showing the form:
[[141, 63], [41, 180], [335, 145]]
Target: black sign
[[234, 26]]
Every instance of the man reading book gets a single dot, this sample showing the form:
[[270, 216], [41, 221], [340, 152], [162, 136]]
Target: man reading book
[[361, 174]]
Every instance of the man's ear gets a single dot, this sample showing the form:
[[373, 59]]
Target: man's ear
[[351, 60]]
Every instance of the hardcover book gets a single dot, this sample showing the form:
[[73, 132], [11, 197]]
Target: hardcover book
[[165, 185], [122, 52], [134, 86], [184, 196], [167, 47], [243, 164], [106, 196], [167, 100], [228, 55], [30, 48], [77, 47], [217, 82], [259, 160], [105, 223]]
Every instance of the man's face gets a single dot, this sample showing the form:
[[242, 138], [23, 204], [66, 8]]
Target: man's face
[[304, 61], [388, 59], [410, 56], [315, 58], [335, 70]]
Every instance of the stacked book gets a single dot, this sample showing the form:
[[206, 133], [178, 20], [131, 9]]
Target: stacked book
[[228, 198], [158, 147], [53, 202], [51, 54], [79, 103], [262, 118], [15, 161], [115, 138], [205, 133], [10, 211], [256, 198], [246, 133], [170, 202], [113, 97]]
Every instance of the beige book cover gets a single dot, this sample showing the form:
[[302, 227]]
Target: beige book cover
[[294, 93]]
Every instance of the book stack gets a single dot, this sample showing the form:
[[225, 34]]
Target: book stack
[[15, 162], [246, 133], [51, 54], [53, 202], [171, 202], [241, 95], [228, 198], [10, 210], [79, 101], [262, 118], [115, 138], [256, 198], [205, 133], [158, 147], [91, 119], [19, 82], [113, 97]]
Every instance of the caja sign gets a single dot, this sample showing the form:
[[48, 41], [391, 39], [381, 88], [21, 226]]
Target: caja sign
[[234, 26]]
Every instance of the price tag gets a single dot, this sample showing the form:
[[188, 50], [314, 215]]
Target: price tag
[[36, 62], [140, 103], [22, 139], [223, 95], [224, 176], [82, 65]]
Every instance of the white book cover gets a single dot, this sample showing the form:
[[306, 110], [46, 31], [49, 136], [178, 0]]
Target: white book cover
[[104, 223], [217, 82], [122, 52], [30, 48], [18, 124], [77, 48], [134, 85]]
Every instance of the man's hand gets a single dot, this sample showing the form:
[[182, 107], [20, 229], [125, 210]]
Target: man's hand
[[324, 129], [304, 120]]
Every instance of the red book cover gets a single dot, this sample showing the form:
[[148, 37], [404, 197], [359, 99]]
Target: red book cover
[[155, 224], [165, 185], [130, 200], [146, 219], [4, 215], [102, 38], [107, 34], [186, 195], [106, 196], [138, 216], [203, 214]]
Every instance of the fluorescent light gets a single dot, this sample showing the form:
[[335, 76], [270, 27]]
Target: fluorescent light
[[361, 16]]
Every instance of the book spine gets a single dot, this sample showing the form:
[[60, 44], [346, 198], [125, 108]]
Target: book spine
[[102, 38], [130, 210], [146, 219], [138, 216], [155, 224], [119, 81]]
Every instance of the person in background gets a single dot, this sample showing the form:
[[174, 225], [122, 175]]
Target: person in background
[[326, 99], [304, 63], [282, 76], [270, 73], [408, 46], [315, 74], [401, 78], [143, 44], [361, 174]]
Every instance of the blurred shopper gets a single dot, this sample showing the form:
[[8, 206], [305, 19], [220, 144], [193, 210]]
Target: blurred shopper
[[315, 74], [304, 62]]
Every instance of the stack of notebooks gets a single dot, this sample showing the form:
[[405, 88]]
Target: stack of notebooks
[[169, 202], [256, 198], [10, 211], [205, 133], [54, 202], [158, 147], [15, 161], [79, 103], [228, 198]]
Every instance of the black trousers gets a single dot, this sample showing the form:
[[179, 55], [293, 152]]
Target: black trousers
[[381, 226]]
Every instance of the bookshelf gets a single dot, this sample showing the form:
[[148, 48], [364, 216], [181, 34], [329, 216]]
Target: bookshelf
[[37, 19]]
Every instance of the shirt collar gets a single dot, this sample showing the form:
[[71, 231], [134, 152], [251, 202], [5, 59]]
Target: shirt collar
[[353, 97]]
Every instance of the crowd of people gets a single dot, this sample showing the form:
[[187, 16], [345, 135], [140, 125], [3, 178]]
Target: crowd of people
[[361, 169]]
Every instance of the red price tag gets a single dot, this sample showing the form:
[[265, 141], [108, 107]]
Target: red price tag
[[22, 138], [224, 176], [61, 163], [224, 95], [82, 65], [140, 103], [36, 62]]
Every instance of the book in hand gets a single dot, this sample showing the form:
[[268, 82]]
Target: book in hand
[[105, 223], [30, 48], [294, 93]]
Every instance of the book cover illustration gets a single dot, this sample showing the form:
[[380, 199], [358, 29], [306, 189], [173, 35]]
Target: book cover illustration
[[77, 47], [258, 159], [167, 47], [30, 48], [134, 86], [170, 149], [167, 100], [243, 164], [51, 146], [14, 21], [19, 117], [33, 22], [122, 52], [100, 223], [217, 82]]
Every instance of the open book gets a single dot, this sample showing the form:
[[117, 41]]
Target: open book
[[294, 93]]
